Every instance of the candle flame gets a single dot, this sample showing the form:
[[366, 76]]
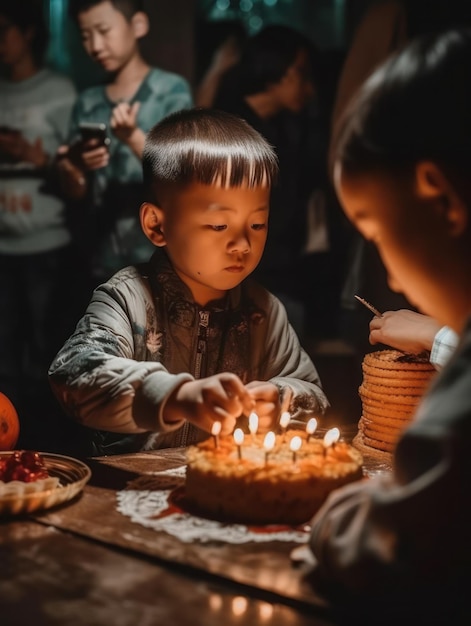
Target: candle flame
[[239, 436], [331, 437], [285, 419], [269, 441], [295, 443], [253, 423], [311, 426], [216, 428]]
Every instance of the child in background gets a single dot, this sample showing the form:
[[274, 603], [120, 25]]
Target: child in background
[[36, 257], [137, 96], [168, 347], [398, 548]]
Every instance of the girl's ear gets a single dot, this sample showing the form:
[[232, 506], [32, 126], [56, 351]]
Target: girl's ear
[[431, 183], [140, 24], [152, 223]]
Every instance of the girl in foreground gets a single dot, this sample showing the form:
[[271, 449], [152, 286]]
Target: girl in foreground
[[399, 546]]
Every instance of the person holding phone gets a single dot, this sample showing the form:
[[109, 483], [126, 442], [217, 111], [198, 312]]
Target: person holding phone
[[107, 175]]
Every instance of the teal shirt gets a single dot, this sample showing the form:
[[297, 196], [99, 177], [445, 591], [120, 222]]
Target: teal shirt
[[117, 189]]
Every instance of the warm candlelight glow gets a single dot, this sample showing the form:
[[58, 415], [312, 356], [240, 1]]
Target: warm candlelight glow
[[331, 437], [216, 428], [295, 445], [285, 419], [239, 605], [239, 436], [239, 440], [311, 427], [253, 423], [269, 443]]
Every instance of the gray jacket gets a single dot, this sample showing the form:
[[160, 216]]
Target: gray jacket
[[142, 335]]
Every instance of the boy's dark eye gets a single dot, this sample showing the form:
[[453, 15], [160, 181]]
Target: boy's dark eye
[[258, 226], [218, 227]]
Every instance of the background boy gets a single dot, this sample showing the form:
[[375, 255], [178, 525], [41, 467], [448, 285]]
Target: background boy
[[168, 347], [135, 98]]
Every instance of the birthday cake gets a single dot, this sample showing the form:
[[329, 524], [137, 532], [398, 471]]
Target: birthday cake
[[392, 387], [246, 484]]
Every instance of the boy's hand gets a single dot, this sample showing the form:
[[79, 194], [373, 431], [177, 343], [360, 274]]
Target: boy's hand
[[222, 397], [91, 155], [71, 177], [266, 397], [17, 149], [124, 120]]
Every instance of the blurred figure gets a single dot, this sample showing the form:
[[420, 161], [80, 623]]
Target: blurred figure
[[271, 87], [35, 241], [107, 179], [218, 47]]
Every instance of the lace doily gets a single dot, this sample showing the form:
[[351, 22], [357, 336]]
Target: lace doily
[[147, 501]]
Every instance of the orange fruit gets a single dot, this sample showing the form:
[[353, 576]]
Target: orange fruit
[[9, 424]]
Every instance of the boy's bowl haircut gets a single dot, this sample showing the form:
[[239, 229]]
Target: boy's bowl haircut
[[207, 146]]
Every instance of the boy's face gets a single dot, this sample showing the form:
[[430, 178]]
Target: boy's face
[[15, 45], [214, 236], [107, 36], [296, 87], [405, 228]]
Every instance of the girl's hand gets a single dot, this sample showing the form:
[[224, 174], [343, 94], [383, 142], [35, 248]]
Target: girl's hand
[[404, 330], [222, 398], [266, 398]]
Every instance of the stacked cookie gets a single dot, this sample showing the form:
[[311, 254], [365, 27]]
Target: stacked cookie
[[393, 384]]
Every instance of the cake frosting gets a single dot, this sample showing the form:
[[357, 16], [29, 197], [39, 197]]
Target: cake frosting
[[392, 387], [278, 488]]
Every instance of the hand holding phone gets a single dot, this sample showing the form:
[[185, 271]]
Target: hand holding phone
[[94, 131], [93, 146]]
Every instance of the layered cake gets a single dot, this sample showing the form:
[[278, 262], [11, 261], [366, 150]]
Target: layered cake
[[392, 387], [245, 484]]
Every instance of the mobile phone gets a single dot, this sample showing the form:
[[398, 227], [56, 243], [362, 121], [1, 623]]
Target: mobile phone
[[91, 130]]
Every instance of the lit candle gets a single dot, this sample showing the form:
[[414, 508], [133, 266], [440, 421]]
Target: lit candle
[[268, 443], [330, 438], [215, 430], [253, 425], [284, 421], [295, 445], [311, 427], [239, 440]]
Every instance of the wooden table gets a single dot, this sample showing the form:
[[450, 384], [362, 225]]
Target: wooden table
[[84, 563]]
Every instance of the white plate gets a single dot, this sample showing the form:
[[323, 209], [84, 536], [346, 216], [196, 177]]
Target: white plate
[[72, 474]]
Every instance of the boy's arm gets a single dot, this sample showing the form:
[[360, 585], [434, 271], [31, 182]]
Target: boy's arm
[[285, 363], [100, 376]]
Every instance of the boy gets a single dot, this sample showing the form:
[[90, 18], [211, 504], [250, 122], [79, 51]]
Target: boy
[[398, 547], [135, 98], [168, 347]]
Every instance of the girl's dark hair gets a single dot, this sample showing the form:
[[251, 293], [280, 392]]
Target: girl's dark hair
[[127, 7], [416, 106], [25, 15], [206, 146]]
